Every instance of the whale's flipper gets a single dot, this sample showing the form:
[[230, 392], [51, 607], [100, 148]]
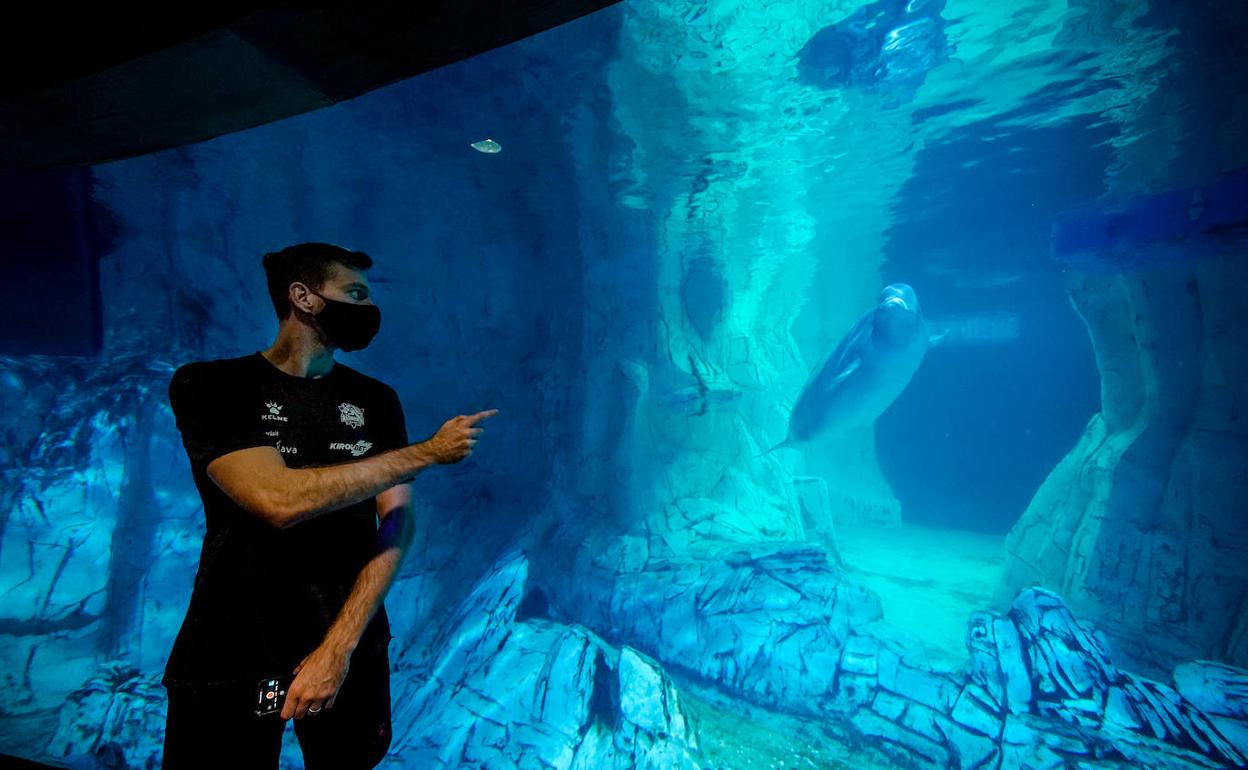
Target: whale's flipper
[[849, 348], [935, 339], [835, 382]]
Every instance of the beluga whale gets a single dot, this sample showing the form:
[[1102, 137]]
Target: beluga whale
[[871, 366]]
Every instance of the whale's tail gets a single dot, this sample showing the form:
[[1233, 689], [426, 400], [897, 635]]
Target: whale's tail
[[788, 442]]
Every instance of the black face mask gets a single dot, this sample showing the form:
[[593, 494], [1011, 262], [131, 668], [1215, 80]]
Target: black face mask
[[347, 325]]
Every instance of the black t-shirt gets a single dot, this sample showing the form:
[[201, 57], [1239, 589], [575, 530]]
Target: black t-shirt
[[264, 597]]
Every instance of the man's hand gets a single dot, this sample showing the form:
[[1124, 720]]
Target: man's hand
[[457, 436], [317, 680]]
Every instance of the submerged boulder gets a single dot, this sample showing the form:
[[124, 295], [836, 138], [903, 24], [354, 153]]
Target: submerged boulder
[[781, 626], [508, 689], [1140, 527], [115, 719]]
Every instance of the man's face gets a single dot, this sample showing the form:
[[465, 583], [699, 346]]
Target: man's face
[[344, 283], [347, 284]]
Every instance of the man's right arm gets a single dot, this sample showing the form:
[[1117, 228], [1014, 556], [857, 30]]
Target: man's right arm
[[259, 481]]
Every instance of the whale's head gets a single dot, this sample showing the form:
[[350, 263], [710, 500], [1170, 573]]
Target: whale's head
[[899, 297], [898, 316]]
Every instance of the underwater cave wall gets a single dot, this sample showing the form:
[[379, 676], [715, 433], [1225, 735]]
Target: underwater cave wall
[[1140, 526], [759, 258], [479, 263]]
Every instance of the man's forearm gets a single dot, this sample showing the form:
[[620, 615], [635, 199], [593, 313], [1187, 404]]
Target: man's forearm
[[305, 493], [393, 538]]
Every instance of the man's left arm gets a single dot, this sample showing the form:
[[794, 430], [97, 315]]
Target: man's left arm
[[327, 665]]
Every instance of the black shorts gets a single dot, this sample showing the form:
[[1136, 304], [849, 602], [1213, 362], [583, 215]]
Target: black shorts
[[218, 726]]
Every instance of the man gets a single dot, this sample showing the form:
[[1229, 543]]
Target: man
[[296, 458]]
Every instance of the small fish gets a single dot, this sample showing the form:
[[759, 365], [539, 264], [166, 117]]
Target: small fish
[[488, 146]]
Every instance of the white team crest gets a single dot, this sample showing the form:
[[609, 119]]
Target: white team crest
[[352, 415]]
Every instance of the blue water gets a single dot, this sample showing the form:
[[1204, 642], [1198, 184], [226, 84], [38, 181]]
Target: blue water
[[686, 207]]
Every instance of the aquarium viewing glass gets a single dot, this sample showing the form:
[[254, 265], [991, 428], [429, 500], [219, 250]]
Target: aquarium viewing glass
[[871, 389]]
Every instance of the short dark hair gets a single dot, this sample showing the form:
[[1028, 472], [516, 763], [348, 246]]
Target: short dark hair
[[307, 263]]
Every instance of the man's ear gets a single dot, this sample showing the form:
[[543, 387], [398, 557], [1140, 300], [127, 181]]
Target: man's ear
[[297, 295]]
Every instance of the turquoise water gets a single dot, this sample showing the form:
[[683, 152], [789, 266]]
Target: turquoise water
[[641, 236]]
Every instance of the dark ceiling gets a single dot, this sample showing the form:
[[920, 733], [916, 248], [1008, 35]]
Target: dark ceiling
[[106, 82]]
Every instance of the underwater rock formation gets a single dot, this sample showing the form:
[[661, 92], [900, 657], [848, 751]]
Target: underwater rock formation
[[1221, 692], [1040, 660], [83, 512], [768, 620], [505, 689], [1140, 527], [776, 624], [110, 721], [510, 690], [509, 687]]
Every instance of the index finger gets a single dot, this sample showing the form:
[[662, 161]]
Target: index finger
[[482, 415]]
